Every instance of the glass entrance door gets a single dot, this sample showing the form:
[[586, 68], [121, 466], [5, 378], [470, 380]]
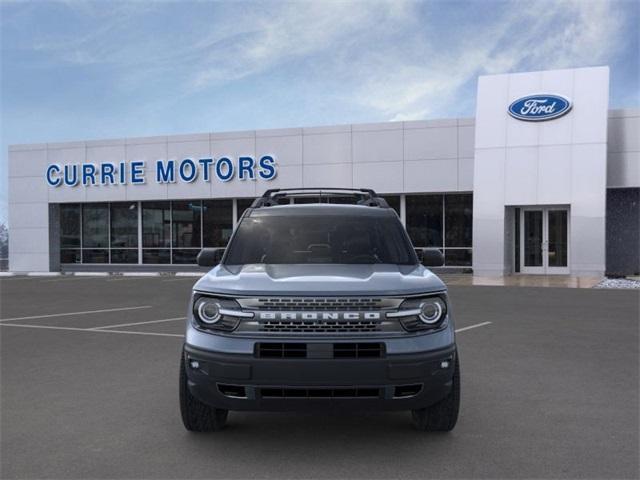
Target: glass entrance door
[[533, 241], [544, 240]]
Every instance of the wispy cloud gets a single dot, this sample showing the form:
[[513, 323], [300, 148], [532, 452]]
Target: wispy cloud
[[537, 36], [384, 53]]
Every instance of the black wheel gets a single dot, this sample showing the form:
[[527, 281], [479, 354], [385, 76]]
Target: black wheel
[[198, 416], [442, 416]]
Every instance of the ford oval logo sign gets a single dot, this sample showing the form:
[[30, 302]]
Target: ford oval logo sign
[[536, 108]]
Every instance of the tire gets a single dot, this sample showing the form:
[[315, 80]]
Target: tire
[[198, 416], [442, 416]]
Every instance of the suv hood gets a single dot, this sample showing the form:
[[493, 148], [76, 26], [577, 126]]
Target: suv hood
[[320, 279]]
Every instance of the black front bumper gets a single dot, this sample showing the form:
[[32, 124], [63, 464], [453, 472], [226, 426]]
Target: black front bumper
[[393, 382]]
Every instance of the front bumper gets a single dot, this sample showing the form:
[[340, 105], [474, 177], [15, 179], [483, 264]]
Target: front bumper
[[394, 382]]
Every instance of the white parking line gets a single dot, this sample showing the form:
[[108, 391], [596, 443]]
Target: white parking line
[[107, 329], [74, 329], [139, 323], [86, 312], [473, 326], [69, 278]]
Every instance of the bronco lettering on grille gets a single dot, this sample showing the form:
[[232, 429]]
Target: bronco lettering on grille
[[319, 315]]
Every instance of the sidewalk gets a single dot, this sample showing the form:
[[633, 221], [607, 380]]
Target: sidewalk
[[557, 281]]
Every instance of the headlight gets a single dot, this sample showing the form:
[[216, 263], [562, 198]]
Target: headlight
[[217, 313], [421, 313], [431, 310], [208, 310]]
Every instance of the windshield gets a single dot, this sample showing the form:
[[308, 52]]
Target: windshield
[[301, 239]]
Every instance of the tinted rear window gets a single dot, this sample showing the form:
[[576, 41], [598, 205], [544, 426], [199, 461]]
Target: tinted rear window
[[298, 239]]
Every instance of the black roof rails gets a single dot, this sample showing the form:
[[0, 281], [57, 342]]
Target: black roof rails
[[366, 196]]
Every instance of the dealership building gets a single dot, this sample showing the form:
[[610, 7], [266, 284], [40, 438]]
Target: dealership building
[[544, 180]]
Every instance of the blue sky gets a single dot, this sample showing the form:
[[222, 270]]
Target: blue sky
[[82, 70]]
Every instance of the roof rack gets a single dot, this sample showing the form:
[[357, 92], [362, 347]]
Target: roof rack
[[364, 196]]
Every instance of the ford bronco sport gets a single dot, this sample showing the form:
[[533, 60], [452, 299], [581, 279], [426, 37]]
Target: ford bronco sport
[[319, 305]]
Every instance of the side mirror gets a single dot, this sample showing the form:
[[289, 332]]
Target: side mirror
[[430, 257], [210, 257]]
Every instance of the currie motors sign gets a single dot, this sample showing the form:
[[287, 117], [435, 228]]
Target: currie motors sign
[[537, 108], [188, 170]]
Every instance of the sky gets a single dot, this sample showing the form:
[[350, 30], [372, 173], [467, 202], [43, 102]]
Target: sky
[[74, 70]]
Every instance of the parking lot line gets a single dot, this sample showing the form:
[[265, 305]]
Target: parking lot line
[[139, 323], [76, 329], [68, 278], [483, 324], [86, 312]]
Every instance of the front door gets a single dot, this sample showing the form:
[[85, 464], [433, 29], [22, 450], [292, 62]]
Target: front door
[[544, 240]]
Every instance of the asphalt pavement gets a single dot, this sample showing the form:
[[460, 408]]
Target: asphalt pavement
[[89, 372]]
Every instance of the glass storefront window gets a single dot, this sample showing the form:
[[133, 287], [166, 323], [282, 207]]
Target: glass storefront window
[[217, 222], [95, 225], [95, 255], [424, 220], [69, 226], [156, 255], [175, 231], [124, 225], [458, 220], [70, 255], [243, 204], [457, 257], [184, 255], [185, 225], [156, 224], [393, 201], [126, 255]]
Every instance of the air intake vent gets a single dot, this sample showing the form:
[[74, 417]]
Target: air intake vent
[[236, 391], [403, 391], [335, 350], [281, 350], [338, 304], [320, 326], [358, 350], [320, 392]]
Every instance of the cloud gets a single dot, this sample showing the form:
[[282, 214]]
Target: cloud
[[393, 58], [534, 37], [295, 30]]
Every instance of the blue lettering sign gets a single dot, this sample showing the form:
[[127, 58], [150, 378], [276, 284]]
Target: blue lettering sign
[[137, 173], [166, 171], [51, 180], [106, 173], [188, 174], [245, 168], [224, 169], [267, 168]]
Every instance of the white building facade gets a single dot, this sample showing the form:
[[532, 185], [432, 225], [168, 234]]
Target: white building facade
[[545, 179]]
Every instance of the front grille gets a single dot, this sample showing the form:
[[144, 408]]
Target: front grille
[[320, 392], [319, 350], [320, 326], [318, 304]]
